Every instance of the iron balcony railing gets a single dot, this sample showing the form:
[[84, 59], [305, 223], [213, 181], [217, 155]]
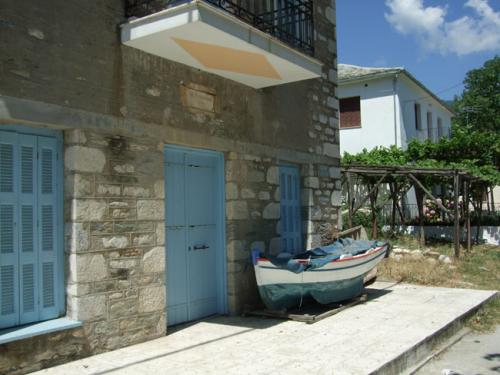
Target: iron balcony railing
[[291, 21]]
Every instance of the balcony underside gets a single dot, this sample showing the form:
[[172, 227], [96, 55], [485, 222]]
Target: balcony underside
[[209, 39]]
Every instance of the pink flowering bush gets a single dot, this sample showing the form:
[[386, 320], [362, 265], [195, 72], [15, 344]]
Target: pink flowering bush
[[432, 212]]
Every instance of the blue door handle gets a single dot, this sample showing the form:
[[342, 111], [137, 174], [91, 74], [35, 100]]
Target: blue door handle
[[201, 247]]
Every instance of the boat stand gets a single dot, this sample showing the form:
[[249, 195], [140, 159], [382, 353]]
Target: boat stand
[[309, 313]]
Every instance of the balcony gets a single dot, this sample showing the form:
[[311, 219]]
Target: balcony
[[257, 43]]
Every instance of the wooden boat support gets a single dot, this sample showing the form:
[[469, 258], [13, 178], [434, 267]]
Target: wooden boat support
[[356, 233], [309, 313]]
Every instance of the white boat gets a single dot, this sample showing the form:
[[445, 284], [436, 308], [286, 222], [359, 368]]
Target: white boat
[[334, 281]]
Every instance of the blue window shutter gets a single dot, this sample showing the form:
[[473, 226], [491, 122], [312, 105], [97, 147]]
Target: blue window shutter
[[9, 275], [291, 233], [49, 278], [27, 167], [28, 254], [31, 273]]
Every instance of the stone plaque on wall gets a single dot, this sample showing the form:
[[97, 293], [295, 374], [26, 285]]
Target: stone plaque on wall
[[198, 97]]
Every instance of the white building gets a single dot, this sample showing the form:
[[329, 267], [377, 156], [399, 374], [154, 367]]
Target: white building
[[385, 107]]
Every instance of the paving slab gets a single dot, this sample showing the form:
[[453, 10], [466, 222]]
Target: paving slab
[[394, 329]]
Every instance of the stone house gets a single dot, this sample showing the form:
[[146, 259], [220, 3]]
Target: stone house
[[145, 148]]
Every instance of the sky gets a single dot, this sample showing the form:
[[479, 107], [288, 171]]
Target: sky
[[438, 41]]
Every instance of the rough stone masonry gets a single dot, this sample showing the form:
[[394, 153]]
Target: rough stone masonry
[[63, 68]]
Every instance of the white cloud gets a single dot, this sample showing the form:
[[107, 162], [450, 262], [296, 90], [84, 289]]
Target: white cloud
[[436, 34]]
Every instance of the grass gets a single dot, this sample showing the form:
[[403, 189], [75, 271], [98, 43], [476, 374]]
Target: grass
[[487, 318], [479, 269]]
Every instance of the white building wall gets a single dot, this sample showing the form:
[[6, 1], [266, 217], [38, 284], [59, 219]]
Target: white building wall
[[410, 93], [377, 116]]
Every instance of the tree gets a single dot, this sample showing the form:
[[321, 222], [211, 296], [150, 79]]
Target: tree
[[479, 105]]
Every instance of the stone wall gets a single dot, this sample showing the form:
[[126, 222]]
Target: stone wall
[[253, 215], [321, 184], [77, 64], [114, 199], [118, 107], [23, 356]]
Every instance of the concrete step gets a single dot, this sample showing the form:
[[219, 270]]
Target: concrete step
[[414, 358], [473, 353], [437, 351]]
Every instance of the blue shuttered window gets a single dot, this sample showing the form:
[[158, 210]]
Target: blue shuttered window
[[7, 228], [28, 280], [9, 262], [30, 266], [47, 218], [28, 233], [6, 167], [7, 283], [291, 233]]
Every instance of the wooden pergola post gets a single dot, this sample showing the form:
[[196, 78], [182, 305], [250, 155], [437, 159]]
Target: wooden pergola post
[[350, 202], [420, 195], [373, 201], [426, 191], [456, 236], [467, 214], [413, 174], [393, 188]]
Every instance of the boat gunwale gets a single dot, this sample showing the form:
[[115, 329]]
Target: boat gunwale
[[354, 257]]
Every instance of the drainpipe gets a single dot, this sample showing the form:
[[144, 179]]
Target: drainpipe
[[394, 93]]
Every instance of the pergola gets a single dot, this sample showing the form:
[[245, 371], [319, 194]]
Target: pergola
[[393, 175]]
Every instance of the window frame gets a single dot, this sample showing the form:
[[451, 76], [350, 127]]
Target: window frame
[[440, 130], [417, 108], [359, 112], [430, 122]]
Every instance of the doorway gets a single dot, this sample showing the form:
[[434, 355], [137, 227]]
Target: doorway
[[195, 234]]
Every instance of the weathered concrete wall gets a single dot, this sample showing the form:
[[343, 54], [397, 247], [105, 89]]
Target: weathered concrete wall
[[118, 108]]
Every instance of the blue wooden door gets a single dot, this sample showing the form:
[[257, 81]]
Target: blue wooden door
[[290, 218], [193, 232]]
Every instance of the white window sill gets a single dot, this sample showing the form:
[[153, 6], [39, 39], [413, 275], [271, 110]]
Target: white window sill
[[37, 329], [351, 127]]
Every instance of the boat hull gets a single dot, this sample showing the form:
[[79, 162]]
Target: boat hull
[[285, 296], [336, 281]]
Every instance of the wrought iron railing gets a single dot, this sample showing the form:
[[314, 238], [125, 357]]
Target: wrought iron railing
[[291, 21]]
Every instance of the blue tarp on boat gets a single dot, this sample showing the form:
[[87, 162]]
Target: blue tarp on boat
[[320, 256]]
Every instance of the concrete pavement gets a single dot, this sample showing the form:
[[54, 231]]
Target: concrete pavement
[[397, 327], [474, 354]]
